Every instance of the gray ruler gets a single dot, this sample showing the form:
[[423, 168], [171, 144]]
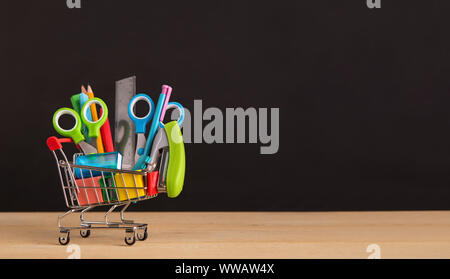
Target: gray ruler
[[124, 138]]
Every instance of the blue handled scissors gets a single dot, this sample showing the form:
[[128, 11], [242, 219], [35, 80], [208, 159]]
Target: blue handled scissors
[[161, 138], [140, 122], [180, 108]]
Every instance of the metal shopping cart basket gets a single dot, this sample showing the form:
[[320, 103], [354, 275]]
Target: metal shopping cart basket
[[87, 187]]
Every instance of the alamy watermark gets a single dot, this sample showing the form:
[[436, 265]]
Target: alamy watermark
[[374, 4], [73, 4], [371, 4], [74, 251], [374, 250], [236, 125]]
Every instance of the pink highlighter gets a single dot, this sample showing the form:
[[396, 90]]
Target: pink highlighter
[[167, 90]]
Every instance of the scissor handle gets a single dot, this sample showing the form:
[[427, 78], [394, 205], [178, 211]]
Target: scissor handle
[[141, 122], [94, 126], [75, 131], [180, 108]]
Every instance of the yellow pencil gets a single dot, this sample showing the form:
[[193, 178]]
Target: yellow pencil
[[90, 94]]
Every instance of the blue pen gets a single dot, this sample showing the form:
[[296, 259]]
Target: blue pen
[[83, 99], [144, 158]]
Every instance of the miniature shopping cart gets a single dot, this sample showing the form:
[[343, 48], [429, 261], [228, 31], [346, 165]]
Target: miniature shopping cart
[[88, 187]]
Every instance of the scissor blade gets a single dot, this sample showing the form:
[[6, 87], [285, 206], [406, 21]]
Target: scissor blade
[[87, 148], [159, 142], [164, 164], [140, 145]]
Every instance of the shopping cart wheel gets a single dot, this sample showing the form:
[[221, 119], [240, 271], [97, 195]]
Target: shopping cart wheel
[[64, 238], [141, 236], [85, 233], [130, 239]]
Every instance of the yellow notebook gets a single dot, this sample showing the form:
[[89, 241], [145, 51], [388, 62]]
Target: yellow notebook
[[128, 181]]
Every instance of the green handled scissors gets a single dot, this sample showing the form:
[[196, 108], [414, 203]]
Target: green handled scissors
[[75, 132]]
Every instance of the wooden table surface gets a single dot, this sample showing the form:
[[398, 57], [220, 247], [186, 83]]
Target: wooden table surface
[[424, 234]]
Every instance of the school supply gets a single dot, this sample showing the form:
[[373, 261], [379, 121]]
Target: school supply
[[124, 137], [161, 140], [75, 100], [129, 186], [89, 191], [161, 184], [75, 131], [158, 116], [112, 160], [105, 132], [168, 91], [140, 122], [169, 146], [95, 118], [141, 163], [82, 99], [152, 180], [109, 191]]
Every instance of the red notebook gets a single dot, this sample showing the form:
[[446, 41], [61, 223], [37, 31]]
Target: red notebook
[[152, 180], [88, 196]]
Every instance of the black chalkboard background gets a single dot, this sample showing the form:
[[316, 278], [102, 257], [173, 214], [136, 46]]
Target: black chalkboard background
[[364, 96]]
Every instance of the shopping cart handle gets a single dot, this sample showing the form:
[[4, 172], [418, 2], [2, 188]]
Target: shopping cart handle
[[54, 143]]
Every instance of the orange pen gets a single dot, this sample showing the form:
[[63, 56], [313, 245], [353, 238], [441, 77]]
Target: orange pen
[[90, 93]]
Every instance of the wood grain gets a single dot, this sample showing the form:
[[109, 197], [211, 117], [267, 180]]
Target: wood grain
[[239, 235]]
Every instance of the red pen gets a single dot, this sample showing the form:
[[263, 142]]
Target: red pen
[[105, 131]]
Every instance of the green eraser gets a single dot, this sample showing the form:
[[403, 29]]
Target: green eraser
[[75, 100]]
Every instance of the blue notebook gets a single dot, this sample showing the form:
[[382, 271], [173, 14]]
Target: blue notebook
[[112, 160]]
